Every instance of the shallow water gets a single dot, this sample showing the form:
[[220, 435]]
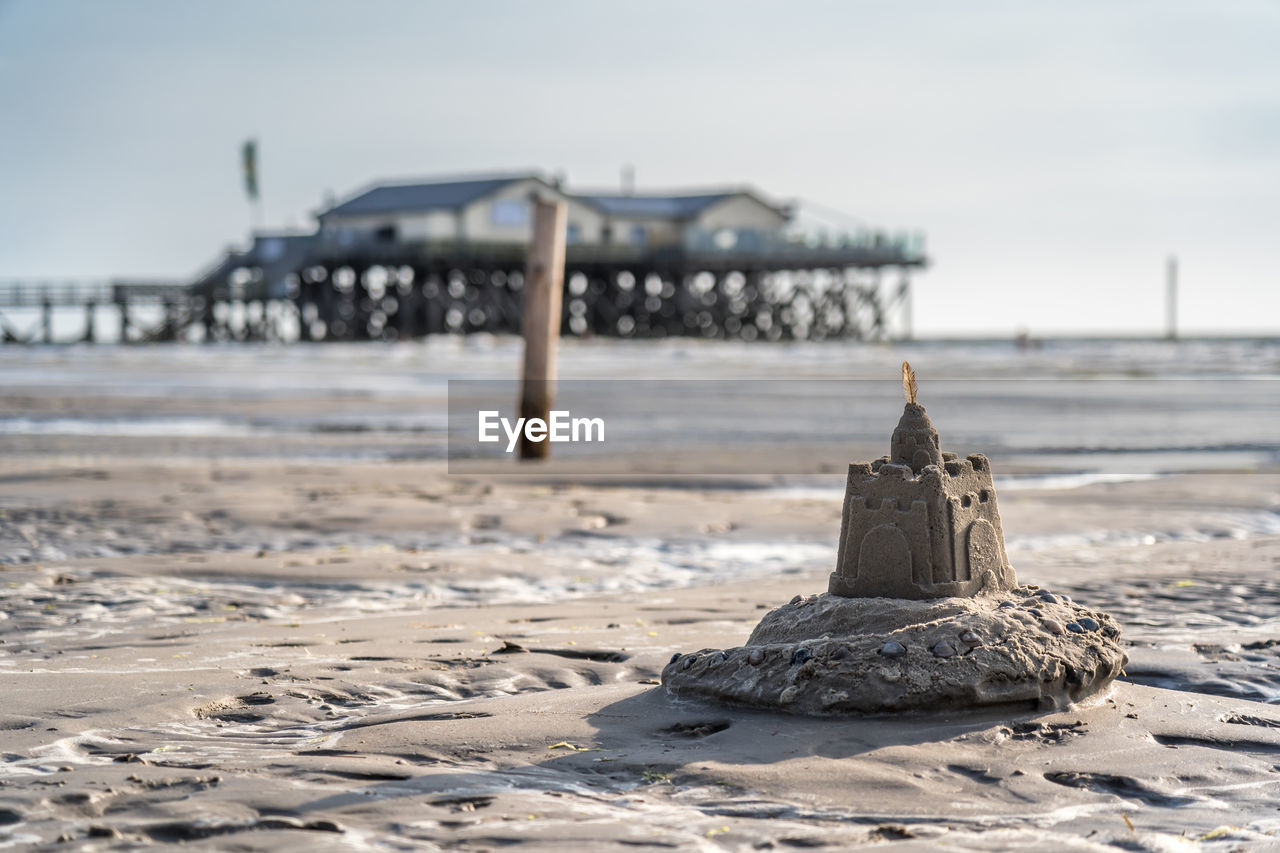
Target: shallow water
[[1116, 408]]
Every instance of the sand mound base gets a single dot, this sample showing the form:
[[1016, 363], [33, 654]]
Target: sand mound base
[[829, 654]]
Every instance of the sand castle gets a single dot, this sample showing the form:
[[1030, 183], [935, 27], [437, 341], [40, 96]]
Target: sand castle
[[920, 523], [923, 609]]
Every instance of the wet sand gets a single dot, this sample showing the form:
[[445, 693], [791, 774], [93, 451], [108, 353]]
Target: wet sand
[[265, 654]]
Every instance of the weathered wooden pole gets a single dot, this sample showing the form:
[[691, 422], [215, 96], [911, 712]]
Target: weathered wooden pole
[[543, 292]]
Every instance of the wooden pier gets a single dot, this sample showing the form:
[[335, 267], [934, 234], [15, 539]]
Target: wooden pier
[[862, 293], [173, 298], [320, 291]]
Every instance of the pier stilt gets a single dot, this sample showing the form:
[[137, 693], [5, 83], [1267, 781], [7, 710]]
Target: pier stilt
[[90, 330], [204, 306], [123, 307], [306, 311], [904, 299]]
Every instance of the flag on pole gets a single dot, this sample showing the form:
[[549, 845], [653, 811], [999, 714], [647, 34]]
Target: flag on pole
[[249, 158]]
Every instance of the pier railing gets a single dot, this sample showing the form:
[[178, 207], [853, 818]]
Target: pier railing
[[32, 293], [699, 249]]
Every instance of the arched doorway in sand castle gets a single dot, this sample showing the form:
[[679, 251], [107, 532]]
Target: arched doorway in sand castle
[[984, 549], [885, 551]]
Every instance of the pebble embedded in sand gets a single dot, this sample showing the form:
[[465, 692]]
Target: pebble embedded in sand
[[943, 650], [1088, 623], [755, 657], [1053, 626], [893, 649], [801, 655], [970, 638]]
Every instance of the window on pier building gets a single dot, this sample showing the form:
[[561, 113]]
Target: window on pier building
[[510, 212]]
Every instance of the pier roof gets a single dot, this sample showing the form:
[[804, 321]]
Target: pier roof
[[654, 206], [660, 206], [453, 194], [426, 195]]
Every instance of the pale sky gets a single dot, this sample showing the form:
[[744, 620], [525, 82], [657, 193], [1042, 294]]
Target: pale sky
[[1054, 154]]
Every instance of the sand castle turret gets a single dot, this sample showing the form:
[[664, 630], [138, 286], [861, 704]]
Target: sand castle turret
[[920, 523], [915, 441]]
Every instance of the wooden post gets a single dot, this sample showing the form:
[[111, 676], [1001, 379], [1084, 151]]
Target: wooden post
[[1171, 299], [543, 292], [90, 336]]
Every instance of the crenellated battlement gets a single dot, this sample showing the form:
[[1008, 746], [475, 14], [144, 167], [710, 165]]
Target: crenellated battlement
[[952, 466]]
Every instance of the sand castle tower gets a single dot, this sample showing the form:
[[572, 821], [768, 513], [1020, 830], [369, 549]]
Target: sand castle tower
[[920, 523]]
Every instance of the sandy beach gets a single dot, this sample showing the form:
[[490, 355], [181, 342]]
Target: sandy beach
[[204, 641], [909, 380]]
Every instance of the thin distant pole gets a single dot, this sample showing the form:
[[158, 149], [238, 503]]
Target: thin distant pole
[[1171, 298]]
